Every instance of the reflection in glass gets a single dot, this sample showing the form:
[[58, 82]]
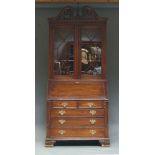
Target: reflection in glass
[[91, 59], [63, 52], [90, 51]]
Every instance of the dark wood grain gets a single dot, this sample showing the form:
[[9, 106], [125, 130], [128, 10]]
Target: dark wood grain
[[77, 122], [91, 104], [97, 132], [77, 112], [77, 89], [63, 104], [77, 104]]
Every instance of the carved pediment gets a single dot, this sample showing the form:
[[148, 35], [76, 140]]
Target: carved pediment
[[89, 13], [66, 13], [69, 13]]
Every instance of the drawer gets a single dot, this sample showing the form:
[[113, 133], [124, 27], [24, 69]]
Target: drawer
[[92, 104], [76, 112], [77, 122], [93, 132], [63, 104]]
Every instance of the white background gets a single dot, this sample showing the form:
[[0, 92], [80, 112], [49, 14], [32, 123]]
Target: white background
[[137, 76]]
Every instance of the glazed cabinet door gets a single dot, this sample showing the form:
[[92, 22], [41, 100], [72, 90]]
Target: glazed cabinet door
[[63, 52], [91, 52]]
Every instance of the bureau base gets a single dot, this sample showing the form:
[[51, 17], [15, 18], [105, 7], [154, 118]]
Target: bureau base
[[49, 142]]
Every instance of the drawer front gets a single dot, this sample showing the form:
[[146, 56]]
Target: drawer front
[[92, 104], [63, 104], [77, 122], [76, 112], [93, 132]]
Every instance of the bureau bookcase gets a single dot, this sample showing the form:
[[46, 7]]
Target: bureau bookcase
[[77, 101]]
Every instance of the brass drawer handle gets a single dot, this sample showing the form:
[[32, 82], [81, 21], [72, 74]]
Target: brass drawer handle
[[90, 104], [62, 112], [64, 104], [93, 112], [61, 132], [92, 121], [92, 132], [62, 121], [77, 82]]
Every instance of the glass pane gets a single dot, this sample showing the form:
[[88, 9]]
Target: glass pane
[[90, 34], [90, 52], [91, 59], [63, 52]]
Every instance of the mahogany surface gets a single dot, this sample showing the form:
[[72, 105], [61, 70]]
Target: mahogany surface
[[74, 122], [76, 112], [77, 132], [76, 90]]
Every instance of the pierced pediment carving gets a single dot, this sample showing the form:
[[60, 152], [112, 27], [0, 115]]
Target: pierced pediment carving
[[69, 13], [89, 13], [66, 13]]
